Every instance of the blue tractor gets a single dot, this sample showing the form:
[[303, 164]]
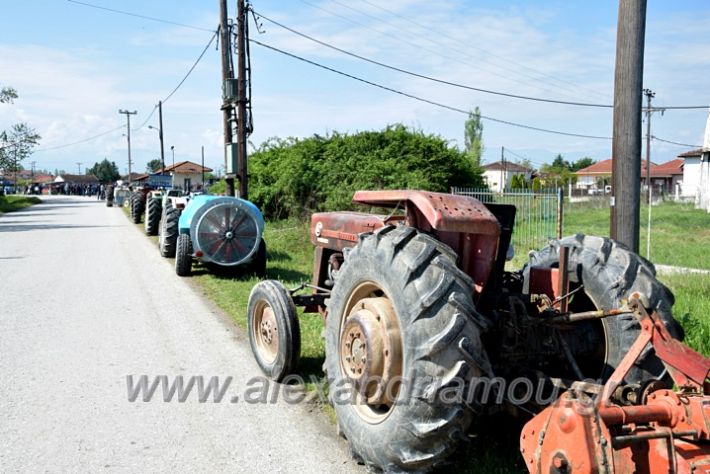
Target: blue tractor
[[223, 233]]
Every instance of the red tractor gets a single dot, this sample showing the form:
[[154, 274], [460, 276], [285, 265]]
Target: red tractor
[[424, 329]]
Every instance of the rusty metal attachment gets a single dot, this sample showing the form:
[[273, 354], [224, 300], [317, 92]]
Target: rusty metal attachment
[[668, 433]]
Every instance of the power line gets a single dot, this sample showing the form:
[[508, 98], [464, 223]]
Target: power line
[[199, 58], [429, 78], [192, 68], [161, 20], [485, 51], [418, 47], [94, 137], [151, 18], [674, 143], [421, 99]]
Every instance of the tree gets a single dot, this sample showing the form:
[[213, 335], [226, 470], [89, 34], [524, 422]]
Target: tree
[[106, 171], [582, 163], [16, 144], [7, 95], [153, 166], [473, 137], [560, 164], [291, 177]]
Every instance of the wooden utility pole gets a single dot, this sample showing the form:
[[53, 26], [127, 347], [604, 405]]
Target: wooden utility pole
[[626, 145], [227, 73], [242, 100], [128, 137], [649, 95]]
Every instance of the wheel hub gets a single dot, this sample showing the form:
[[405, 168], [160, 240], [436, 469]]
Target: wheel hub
[[229, 235], [370, 349], [267, 334]]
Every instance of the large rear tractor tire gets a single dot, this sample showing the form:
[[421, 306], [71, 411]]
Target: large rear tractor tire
[[136, 208], [183, 256], [274, 331], [401, 330], [167, 240], [152, 216], [610, 273]]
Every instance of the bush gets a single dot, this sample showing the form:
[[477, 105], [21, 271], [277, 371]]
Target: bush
[[292, 177]]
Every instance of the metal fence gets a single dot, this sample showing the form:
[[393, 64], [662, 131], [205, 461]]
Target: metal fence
[[538, 215]]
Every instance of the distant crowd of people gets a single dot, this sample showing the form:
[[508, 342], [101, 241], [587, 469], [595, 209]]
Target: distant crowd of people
[[98, 190]]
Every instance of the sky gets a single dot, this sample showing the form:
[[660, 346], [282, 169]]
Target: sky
[[75, 66]]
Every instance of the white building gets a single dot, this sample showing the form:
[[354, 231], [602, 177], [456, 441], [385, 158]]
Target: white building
[[690, 187], [499, 175]]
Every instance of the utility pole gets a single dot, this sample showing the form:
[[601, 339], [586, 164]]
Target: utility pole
[[128, 138], [78, 165], [502, 167], [227, 73], [649, 95], [626, 144], [33, 163], [160, 134], [203, 167], [242, 100]]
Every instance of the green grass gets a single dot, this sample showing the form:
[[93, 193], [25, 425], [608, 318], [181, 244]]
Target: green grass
[[494, 440], [680, 234], [15, 203]]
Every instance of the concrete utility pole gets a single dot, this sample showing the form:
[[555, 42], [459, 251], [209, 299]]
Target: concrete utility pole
[[626, 145], [128, 137], [78, 165], [242, 100], [203, 167], [227, 73], [649, 95], [160, 134]]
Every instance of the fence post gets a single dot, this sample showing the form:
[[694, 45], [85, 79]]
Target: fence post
[[560, 212]]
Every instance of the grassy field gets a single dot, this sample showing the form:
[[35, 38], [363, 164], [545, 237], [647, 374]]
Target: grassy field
[[15, 203], [680, 234], [494, 442]]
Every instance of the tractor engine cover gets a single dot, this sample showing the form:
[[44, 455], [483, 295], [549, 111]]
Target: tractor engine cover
[[224, 231]]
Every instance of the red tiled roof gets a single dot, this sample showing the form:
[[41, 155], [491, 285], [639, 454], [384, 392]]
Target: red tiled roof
[[185, 167], [604, 167], [668, 169]]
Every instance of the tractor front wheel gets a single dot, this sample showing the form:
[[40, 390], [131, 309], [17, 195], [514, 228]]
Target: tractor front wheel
[[401, 329], [183, 256], [274, 331]]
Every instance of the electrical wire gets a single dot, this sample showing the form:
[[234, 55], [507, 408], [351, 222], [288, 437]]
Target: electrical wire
[[450, 83], [94, 137], [674, 143], [421, 99], [516, 64], [429, 78], [144, 17], [192, 68], [155, 107]]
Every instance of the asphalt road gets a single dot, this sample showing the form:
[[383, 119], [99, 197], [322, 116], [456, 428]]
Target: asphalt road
[[85, 300]]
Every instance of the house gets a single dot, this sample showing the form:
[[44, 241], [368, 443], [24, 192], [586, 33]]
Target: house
[[186, 175], [691, 173], [499, 175], [667, 178], [598, 175]]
